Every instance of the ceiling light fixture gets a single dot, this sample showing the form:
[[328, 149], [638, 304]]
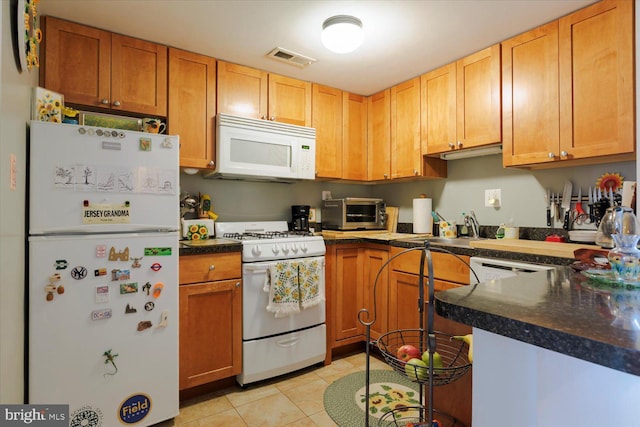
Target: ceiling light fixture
[[342, 33]]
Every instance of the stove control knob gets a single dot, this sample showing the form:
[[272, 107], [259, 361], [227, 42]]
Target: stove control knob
[[303, 247], [275, 249], [285, 249], [255, 251], [294, 248]]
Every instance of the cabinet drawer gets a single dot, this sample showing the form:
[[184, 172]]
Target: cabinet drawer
[[208, 268], [446, 267]]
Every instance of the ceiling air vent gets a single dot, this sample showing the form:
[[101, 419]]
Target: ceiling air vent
[[289, 57]]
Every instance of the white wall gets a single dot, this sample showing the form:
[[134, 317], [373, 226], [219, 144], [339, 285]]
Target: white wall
[[15, 90], [523, 192]]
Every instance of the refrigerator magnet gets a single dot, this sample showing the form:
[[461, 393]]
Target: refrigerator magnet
[[79, 272], [100, 272], [157, 290], [164, 319], [123, 255], [150, 305], [129, 309], [146, 288], [157, 251], [61, 264], [156, 266], [145, 144], [145, 324], [102, 314], [136, 262], [128, 288], [102, 294], [101, 251], [117, 274]]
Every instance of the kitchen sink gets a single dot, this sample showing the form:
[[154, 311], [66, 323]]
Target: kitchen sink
[[462, 242]]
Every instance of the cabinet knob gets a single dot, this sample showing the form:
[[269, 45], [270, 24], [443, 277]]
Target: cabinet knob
[[563, 154], [104, 101], [116, 104], [451, 145], [385, 176], [459, 144], [415, 172], [212, 163], [551, 155], [212, 267], [237, 284], [272, 118]]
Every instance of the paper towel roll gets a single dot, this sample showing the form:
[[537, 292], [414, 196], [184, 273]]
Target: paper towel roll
[[422, 220]]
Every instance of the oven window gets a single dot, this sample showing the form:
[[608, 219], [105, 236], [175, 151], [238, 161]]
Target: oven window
[[260, 153], [361, 213]]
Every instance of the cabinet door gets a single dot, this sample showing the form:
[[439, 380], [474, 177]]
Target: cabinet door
[[192, 106], [478, 98], [348, 293], [210, 332], [379, 136], [530, 99], [76, 62], [377, 303], [406, 155], [289, 100], [354, 137], [242, 91], [597, 81], [327, 119], [138, 76], [438, 110]]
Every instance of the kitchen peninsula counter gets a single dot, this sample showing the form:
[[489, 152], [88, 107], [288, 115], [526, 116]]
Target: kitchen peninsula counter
[[553, 344]]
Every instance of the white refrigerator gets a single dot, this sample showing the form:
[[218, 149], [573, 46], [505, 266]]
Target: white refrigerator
[[102, 305]]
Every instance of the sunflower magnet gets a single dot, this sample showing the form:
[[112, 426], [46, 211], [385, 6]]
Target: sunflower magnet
[[608, 181]]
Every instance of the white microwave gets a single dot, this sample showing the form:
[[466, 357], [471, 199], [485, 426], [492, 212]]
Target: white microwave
[[254, 149]]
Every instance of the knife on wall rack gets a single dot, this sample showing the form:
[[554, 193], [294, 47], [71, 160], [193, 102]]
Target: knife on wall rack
[[566, 203], [549, 202]]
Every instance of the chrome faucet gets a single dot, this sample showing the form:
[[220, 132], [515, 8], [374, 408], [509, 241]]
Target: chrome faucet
[[472, 222]]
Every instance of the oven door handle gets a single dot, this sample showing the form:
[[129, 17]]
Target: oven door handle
[[257, 268]]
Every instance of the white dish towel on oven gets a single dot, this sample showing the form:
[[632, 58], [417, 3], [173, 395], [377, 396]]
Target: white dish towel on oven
[[283, 286], [292, 285]]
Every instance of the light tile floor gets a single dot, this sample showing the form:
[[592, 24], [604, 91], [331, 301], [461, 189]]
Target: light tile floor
[[294, 399]]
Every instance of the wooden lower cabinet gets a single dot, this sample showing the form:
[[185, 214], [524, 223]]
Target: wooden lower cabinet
[[210, 319]]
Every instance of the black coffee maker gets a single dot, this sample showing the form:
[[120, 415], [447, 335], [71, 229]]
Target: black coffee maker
[[300, 217]]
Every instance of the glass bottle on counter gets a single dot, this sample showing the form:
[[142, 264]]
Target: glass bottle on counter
[[625, 256]]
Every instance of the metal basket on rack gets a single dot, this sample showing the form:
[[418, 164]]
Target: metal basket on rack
[[454, 355], [403, 417]]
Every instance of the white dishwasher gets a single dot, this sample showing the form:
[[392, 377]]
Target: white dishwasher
[[493, 268]]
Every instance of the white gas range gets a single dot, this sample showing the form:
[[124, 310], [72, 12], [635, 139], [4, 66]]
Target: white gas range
[[273, 345]]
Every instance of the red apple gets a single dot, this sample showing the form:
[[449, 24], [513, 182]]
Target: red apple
[[408, 352]]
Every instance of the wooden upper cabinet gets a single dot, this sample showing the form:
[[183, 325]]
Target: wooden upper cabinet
[[597, 81], [354, 137], [530, 96], [438, 109], [242, 90], [289, 100], [327, 120], [76, 62], [478, 98], [192, 106], [406, 155], [568, 90], [99, 69], [461, 103], [379, 136]]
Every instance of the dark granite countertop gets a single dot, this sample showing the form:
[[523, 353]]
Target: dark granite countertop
[[559, 310], [209, 246]]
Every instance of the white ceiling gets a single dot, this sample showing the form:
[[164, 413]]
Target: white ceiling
[[403, 38]]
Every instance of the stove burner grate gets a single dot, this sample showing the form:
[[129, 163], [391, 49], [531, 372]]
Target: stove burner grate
[[250, 235]]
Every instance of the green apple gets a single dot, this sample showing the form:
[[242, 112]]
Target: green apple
[[416, 370], [437, 359]]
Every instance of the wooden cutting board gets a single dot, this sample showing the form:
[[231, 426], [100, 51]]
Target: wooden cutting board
[[392, 218], [535, 247]]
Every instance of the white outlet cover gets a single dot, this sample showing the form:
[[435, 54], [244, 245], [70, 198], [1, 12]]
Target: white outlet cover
[[492, 198]]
